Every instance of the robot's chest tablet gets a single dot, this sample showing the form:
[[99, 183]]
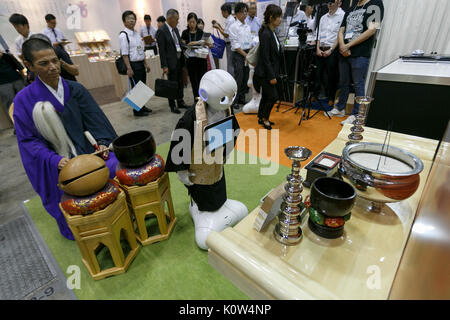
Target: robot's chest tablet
[[218, 134]]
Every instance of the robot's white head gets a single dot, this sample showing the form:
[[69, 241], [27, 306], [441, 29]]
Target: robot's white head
[[218, 88]]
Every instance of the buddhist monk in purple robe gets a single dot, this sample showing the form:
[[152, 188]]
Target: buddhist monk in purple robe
[[78, 113]]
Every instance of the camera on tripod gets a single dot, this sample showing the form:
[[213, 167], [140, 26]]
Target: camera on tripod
[[302, 32]]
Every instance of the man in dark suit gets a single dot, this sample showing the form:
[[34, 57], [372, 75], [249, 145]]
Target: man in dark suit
[[171, 55]]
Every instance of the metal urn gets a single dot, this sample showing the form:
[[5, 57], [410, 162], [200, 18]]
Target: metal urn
[[288, 230], [380, 173]]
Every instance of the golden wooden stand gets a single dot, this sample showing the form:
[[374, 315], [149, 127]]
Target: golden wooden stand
[[104, 227], [150, 200]]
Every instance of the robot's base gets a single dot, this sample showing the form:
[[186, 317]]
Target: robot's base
[[253, 105], [228, 215]]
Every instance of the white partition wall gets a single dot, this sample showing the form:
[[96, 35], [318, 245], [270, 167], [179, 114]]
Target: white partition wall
[[412, 24]]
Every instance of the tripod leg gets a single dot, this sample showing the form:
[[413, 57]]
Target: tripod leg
[[302, 116], [293, 107], [321, 108], [309, 103], [309, 110]]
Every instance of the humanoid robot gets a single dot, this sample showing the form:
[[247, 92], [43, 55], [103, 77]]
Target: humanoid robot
[[210, 208]]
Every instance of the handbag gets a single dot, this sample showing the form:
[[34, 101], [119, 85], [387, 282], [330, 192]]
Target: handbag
[[120, 64], [218, 47], [166, 89], [252, 55], [201, 53]]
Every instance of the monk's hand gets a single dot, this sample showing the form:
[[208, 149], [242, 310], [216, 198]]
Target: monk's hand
[[62, 163], [184, 176], [105, 154]]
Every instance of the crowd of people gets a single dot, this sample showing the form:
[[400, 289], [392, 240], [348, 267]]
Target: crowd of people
[[13, 76], [343, 43], [342, 40], [52, 112]]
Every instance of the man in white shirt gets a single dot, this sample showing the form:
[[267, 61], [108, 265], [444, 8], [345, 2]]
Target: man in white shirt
[[230, 20], [241, 42], [20, 23], [132, 51], [327, 55], [148, 30], [55, 35], [252, 20], [311, 24]]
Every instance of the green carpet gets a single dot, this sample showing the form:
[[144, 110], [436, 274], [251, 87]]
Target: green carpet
[[172, 269]]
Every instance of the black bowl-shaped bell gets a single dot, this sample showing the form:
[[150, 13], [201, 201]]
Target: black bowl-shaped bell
[[332, 197], [135, 149]]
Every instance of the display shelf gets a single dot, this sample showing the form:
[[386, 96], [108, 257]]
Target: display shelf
[[92, 36], [95, 44]]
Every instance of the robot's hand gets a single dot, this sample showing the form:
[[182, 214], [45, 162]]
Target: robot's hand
[[184, 175]]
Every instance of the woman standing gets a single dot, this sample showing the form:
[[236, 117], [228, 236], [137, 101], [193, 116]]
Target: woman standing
[[197, 67], [132, 51], [267, 70]]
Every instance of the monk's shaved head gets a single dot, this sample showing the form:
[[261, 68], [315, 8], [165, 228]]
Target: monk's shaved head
[[34, 44]]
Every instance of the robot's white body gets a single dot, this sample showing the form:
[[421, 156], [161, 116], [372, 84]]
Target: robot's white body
[[253, 105], [218, 90]]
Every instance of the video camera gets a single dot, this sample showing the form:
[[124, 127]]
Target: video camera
[[302, 31]]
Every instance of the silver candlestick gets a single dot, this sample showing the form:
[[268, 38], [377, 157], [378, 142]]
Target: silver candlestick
[[288, 230], [357, 129]]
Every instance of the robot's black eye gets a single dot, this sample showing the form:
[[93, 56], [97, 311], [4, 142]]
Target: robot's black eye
[[223, 99]]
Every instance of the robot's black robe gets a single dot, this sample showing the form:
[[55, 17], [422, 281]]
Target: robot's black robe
[[207, 197]]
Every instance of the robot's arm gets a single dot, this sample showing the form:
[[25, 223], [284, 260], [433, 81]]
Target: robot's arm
[[184, 176]]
